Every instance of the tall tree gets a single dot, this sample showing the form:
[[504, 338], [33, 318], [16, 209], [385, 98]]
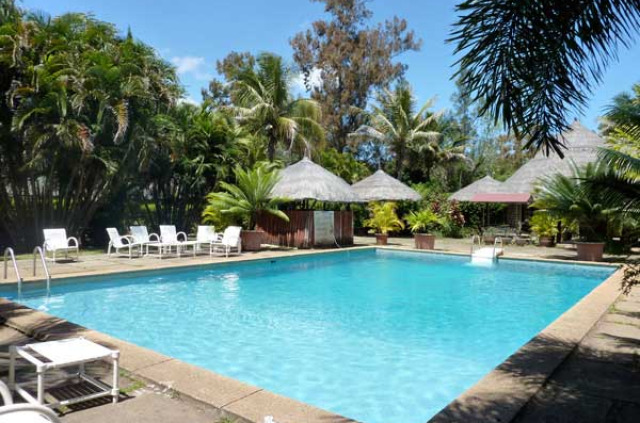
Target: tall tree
[[532, 63], [264, 104], [352, 59], [395, 123]]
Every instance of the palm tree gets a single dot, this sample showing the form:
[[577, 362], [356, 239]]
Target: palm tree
[[248, 197], [264, 104], [395, 123], [533, 63]]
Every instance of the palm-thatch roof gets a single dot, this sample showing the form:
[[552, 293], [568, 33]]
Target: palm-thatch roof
[[382, 187], [581, 148], [486, 185], [306, 180]]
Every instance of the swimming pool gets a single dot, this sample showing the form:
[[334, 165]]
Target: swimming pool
[[376, 335]]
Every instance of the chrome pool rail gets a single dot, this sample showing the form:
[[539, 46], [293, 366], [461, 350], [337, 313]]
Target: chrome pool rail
[[8, 252], [473, 243], [38, 252]]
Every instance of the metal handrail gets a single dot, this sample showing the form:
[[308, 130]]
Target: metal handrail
[[38, 251], [495, 245], [473, 243], [9, 252]]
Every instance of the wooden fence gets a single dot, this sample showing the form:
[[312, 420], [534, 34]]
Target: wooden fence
[[299, 230]]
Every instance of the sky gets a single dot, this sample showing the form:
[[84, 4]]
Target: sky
[[193, 34]]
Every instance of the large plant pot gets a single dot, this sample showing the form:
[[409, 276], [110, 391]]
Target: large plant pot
[[381, 239], [546, 241], [425, 241], [590, 251], [251, 240]]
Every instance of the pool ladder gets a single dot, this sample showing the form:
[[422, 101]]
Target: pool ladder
[[37, 252]]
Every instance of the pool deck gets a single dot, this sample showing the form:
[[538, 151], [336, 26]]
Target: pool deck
[[584, 364]]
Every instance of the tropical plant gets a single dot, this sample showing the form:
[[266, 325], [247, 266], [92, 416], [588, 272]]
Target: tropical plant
[[76, 119], [395, 123], [532, 79], [263, 103], [383, 218], [248, 197], [544, 224], [424, 221], [569, 197]]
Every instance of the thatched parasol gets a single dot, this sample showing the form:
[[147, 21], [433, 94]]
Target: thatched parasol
[[306, 180], [481, 186], [382, 187]]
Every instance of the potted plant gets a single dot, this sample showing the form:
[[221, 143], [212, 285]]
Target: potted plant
[[423, 224], [546, 227], [573, 199], [382, 220], [250, 196]]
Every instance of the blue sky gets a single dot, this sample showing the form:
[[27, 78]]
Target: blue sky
[[193, 34]]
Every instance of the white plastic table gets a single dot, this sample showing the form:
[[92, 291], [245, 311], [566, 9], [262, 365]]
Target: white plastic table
[[51, 355]]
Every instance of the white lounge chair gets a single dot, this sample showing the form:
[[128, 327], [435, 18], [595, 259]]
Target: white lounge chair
[[23, 413], [119, 242], [140, 235], [171, 238], [230, 241], [206, 235], [56, 240]]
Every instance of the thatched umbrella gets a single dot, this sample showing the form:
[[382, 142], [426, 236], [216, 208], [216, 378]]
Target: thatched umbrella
[[481, 186], [306, 180], [382, 187]]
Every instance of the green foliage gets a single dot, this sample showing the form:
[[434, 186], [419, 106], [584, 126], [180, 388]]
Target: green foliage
[[250, 196], [425, 221], [344, 165], [264, 104], [531, 80], [544, 224], [383, 218], [569, 197]]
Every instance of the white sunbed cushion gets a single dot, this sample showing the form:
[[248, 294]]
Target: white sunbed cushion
[[24, 417], [70, 350]]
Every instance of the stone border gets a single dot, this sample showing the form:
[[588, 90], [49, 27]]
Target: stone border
[[499, 396]]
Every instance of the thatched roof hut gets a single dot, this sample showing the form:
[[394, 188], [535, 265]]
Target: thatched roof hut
[[306, 180], [481, 186], [382, 187], [582, 148]]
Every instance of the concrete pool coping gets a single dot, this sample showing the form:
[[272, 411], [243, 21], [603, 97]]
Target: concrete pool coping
[[499, 396]]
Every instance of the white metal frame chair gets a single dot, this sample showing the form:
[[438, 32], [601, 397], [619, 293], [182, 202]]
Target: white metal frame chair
[[56, 240], [206, 235], [141, 235], [25, 413], [119, 242], [230, 241]]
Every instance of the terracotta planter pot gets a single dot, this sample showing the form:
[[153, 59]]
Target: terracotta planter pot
[[590, 251], [251, 240], [381, 239], [546, 241], [425, 241]]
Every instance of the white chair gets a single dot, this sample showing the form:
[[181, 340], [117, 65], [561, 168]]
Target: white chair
[[171, 238], [206, 235], [230, 241], [141, 236], [119, 242], [23, 413], [56, 240]]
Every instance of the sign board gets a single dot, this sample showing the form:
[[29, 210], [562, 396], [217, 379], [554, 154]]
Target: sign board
[[323, 228]]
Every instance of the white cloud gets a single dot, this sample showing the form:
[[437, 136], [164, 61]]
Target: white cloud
[[188, 100], [315, 79], [192, 65]]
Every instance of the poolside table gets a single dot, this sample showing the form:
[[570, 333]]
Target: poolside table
[[46, 356]]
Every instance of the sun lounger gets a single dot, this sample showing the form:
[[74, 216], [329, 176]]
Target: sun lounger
[[206, 235], [56, 240], [23, 413], [230, 241], [140, 235], [118, 242]]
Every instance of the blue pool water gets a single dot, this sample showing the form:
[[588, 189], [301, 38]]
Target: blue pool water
[[378, 336]]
